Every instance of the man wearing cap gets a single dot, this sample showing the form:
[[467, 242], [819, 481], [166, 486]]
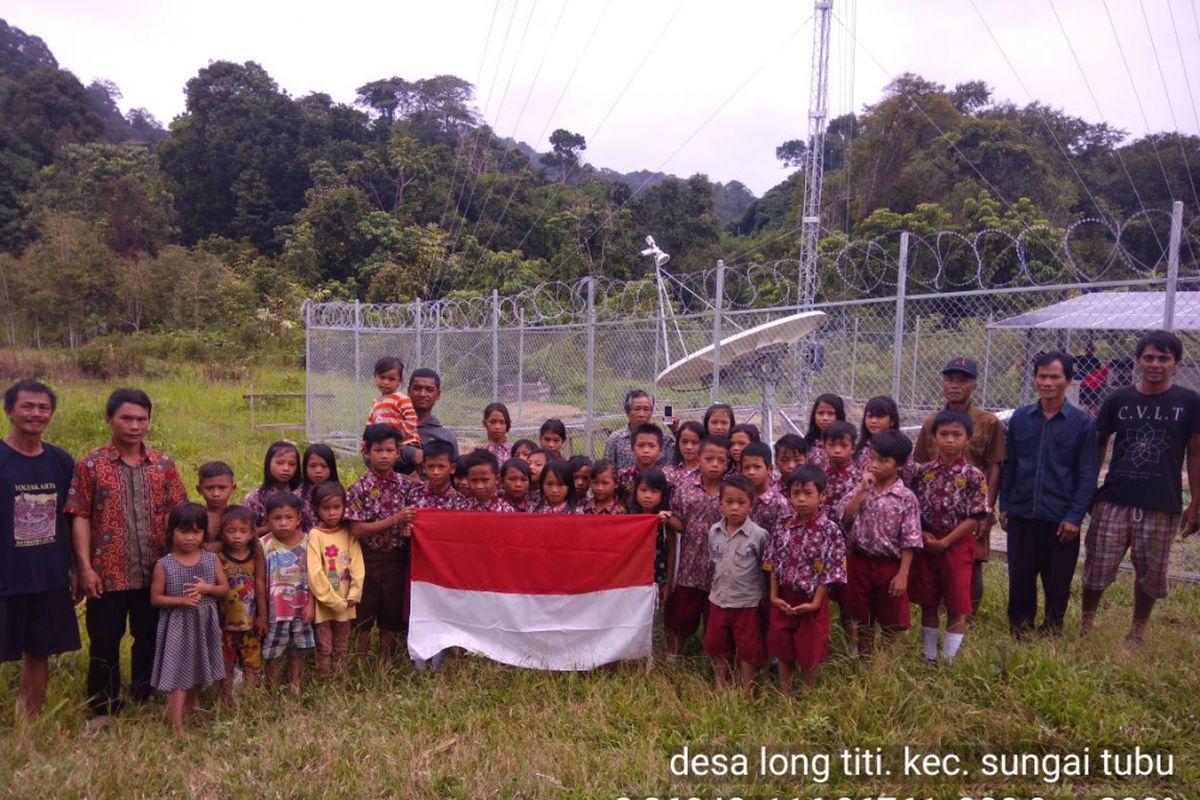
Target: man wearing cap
[[985, 451]]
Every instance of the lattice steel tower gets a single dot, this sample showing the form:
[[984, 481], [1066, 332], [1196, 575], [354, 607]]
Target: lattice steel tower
[[814, 155]]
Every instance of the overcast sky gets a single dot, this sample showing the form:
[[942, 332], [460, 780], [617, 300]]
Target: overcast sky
[[694, 86]]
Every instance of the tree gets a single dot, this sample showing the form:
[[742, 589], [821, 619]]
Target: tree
[[565, 153], [971, 96], [21, 53], [386, 97], [791, 153]]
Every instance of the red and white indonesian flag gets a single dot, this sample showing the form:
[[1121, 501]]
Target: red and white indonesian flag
[[544, 591]]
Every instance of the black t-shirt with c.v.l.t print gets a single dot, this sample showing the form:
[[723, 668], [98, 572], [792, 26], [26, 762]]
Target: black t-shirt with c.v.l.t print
[[1152, 433]]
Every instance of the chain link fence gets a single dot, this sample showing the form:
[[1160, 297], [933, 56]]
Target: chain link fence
[[897, 307]]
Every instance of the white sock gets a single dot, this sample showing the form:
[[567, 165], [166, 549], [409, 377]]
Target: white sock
[[951, 644], [929, 637]]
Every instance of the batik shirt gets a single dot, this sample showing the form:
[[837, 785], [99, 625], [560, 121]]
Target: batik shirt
[[374, 497], [525, 506], [501, 450], [804, 555], [287, 578], [561, 508], [588, 506], [888, 521], [677, 474], [771, 509], [420, 495], [699, 512], [256, 500], [840, 482], [907, 472], [493, 504], [949, 494], [817, 455]]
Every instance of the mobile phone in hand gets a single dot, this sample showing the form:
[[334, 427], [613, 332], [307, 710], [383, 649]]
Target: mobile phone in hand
[[668, 414]]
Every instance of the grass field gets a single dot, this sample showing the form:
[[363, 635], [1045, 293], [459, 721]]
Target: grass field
[[478, 729]]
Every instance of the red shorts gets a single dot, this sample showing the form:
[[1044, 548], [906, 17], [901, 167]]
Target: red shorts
[[943, 578], [867, 597], [734, 631], [685, 609], [803, 638], [837, 593]]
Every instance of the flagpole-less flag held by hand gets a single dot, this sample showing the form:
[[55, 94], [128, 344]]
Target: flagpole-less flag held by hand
[[543, 591]]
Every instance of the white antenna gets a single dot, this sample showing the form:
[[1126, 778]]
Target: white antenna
[[814, 155], [660, 261]]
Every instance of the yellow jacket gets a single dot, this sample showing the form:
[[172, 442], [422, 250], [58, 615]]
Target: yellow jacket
[[335, 573]]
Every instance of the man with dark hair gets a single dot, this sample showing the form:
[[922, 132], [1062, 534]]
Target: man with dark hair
[[425, 390], [985, 451], [1139, 507], [1049, 481], [120, 497], [37, 610], [618, 449]]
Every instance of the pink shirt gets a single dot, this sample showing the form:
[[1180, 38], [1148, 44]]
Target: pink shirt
[[949, 494], [887, 522], [699, 512], [804, 555]]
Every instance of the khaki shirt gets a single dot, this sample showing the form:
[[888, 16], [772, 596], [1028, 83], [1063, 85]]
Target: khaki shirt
[[985, 449], [738, 577]]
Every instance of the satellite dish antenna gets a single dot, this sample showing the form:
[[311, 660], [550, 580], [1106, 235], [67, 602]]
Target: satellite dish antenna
[[762, 350]]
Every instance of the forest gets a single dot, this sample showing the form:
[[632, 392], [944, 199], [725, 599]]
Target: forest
[[209, 232]]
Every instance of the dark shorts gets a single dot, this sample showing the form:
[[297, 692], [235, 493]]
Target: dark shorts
[[943, 578], [383, 592], [39, 624], [730, 632], [867, 598], [685, 608], [803, 638]]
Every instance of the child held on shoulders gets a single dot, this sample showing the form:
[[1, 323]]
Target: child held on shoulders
[[736, 546], [335, 576], [883, 522], [244, 609], [806, 553], [393, 407], [290, 608], [953, 499], [186, 584]]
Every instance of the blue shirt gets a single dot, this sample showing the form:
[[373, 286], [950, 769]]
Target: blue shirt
[[1050, 473]]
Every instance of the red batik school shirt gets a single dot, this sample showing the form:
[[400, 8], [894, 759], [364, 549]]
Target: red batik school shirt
[[840, 482], [501, 450], [699, 512], [804, 555], [493, 504], [949, 494], [373, 497], [888, 521], [588, 506], [562, 508], [123, 504], [771, 509], [907, 472], [420, 495], [396, 409]]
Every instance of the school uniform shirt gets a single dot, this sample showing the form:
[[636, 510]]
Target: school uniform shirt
[[619, 448], [501, 450], [949, 494], [817, 455], [737, 559], [335, 573], [561, 508], [888, 521], [806, 554], [493, 504], [985, 448], [863, 457], [699, 511], [677, 474], [771, 509], [374, 497], [526, 506], [588, 506], [422, 495], [840, 482]]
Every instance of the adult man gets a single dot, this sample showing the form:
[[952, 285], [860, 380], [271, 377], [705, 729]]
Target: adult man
[[120, 497], [1138, 508], [1049, 481], [37, 610], [985, 451], [425, 390], [619, 447]]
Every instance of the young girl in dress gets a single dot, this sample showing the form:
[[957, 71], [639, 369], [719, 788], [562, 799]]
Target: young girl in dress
[[335, 576], [496, 424], [185, 585], [718, 419], [652, 495], [581, 475], [603, 489], [557, 489], [552, 436], [514, 484], [320, 465], [281, 473], [826, 408]]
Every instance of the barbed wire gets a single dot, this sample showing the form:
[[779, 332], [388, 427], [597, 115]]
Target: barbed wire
[[1090, 249]]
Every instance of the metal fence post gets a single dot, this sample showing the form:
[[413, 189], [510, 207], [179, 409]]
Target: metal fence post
[[898, 335], [520, 363], [495, 345], [308, 389], [987, 364], [591, 363], [854, 359], [715, 394], [437, 337], [1173, 265], [417, 311], [357, 367], [916, 360]]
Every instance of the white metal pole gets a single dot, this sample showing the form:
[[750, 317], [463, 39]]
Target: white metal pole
[[898, 333], [715, 394], [1173, 265]]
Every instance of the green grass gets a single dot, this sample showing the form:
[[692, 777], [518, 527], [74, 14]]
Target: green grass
[[482, 729]]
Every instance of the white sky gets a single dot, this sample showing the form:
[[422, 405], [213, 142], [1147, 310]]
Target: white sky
[[706, 86]]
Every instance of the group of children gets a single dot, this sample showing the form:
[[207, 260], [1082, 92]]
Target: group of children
[[753, 540]]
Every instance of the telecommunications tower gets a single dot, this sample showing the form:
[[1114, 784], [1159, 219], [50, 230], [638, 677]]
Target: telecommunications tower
[[814, 155]]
